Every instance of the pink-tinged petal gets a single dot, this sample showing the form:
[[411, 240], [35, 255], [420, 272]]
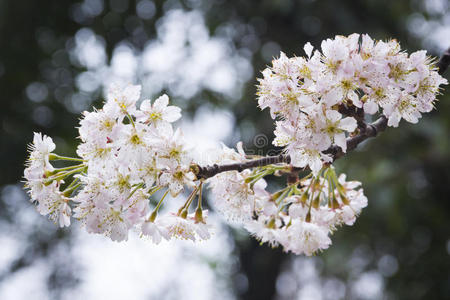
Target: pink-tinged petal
[[333, 115], [315, 164], [370, 107], [260, 189], [111, 109], [305, 100], [163, 231], [64, 215], [323, 142], [394, 119], [146, 105], [37, 137], [412, 117], [326, 46], [119, 232], [342, 177], [270, 208], [339, 139], [298, 158], [332, 97], [240, 148], [175, 188], [355, 99], [367, 43], [348, 215], [161, 102], [418, 57], [140, 116], [260, 186], [172, 113], [308, 49], [151, 230], [348, 124], [202, 231], [388, 109], [298, 211], [165, 178], [353, 41], [326, 158]]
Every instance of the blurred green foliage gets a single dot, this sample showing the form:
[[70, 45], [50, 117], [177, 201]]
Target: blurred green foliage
[[405, 171]]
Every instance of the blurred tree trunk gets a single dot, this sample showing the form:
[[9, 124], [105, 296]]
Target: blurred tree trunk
[[261, 264]]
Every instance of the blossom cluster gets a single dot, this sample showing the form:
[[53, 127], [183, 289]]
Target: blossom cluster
[[127, 155], [300, 217], [131, 157], [305, 94]]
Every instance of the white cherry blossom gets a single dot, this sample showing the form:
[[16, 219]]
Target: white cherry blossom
[[130, 156], [369, 76], [158, 113]]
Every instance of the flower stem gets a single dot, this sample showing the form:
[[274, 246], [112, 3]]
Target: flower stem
[[155, 211], [135, 189], [65, 174], [72, 183], [182, 212], [131, 120], [53, 156], [57, 170], [68, 192], [199, 211]]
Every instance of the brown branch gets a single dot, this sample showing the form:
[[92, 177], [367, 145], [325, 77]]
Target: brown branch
[[210, 171], [365, 132], [443, 62], [336, 152]]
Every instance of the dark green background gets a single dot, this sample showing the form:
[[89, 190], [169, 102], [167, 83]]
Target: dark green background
[[405, 171]]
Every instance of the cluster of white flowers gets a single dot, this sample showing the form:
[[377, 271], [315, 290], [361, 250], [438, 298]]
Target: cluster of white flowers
[[130, 155], [127, 155], [300, 217], [304, 94], [46, 193], [236, 194]]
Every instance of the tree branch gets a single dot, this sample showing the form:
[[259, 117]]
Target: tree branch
[[443, 62], [365, 132], [336, 152], [210, 171]]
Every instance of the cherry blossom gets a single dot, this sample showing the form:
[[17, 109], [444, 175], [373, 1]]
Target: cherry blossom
[[304, 94], [132, 160]]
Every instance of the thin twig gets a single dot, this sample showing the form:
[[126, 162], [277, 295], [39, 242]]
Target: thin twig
[[443, 62], [210, 171]]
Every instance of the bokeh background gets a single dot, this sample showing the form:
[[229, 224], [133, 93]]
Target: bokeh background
[[56, 57]]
